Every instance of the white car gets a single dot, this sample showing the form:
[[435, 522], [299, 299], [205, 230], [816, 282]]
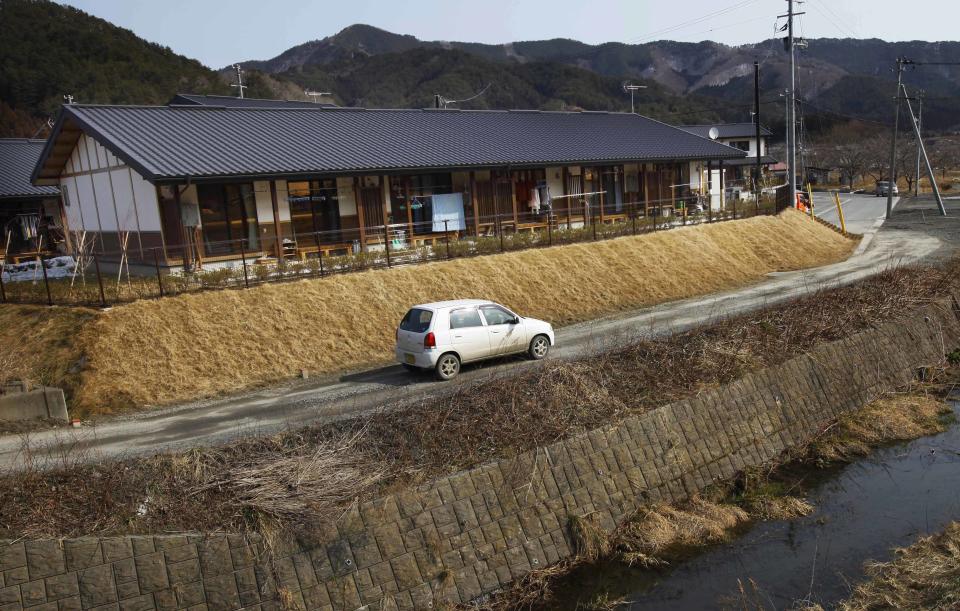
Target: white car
[[442, 336]]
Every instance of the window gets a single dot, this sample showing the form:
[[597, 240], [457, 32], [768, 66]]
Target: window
[[416, 320], [228, 215], [315, 210], [743, 145], [496, 315], [461, 319]]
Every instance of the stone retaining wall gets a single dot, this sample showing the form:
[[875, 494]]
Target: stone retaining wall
[[468, 534]]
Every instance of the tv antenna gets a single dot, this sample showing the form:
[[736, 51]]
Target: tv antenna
[[68, 98], [317, 94], [239, 84], [441, 102], [630, 87]]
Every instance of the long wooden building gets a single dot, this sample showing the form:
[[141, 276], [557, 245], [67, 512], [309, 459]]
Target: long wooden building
[[183, 183]]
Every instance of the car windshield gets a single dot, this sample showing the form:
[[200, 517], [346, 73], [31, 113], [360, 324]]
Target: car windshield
[[416, 320]]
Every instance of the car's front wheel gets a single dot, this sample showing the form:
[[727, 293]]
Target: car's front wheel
[[448, 366], [539, 347]]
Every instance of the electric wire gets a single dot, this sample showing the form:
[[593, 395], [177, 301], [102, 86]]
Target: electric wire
[[706, 17]]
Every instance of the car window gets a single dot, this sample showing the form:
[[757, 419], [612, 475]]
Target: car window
[[496, 315], [460, 319], [416, 320]]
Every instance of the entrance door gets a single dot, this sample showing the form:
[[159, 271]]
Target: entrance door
[[470, 338]]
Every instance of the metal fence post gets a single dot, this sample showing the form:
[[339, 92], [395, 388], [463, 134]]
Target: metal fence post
[[633, 219], [500, 223], [103, 295], [3, 291], [386, 241], [156, 264], [446, 236], [549, 231], [46, 281], [243, 262], [593, 221], [735, 208], [656, 212]]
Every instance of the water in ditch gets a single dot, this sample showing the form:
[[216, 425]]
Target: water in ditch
[[886, 500]]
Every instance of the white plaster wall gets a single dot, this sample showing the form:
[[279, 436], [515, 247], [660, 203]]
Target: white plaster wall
[[555, 181], [88, 208], [104, 201], [148, 208], [71, 202], [124, 200]]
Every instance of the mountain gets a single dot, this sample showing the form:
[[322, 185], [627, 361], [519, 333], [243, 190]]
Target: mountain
[[410, 79], [49, 50], [830, 71]]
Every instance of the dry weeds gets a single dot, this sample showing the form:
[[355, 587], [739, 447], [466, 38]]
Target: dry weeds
[[894, 418], [41, 344], [925, 575], [413, 443], [186, 347]]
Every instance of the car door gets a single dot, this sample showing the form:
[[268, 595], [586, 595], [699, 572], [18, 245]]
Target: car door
[[468, 334], [505, 336]]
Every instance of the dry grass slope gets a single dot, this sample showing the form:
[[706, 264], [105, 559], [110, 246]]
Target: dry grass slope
[[41, 344], [186, 347]]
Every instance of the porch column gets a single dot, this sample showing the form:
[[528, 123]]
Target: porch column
[[602, 196], [361, 220], [406, 198], [276, 219], [513, 197], [723, 203], [474, 203]]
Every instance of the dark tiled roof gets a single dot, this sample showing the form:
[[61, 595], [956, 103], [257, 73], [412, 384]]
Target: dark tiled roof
[[174, 142], [748, 161], [727, 130], [18, 157], [192, 99]]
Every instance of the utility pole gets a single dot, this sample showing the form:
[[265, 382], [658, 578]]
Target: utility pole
[[756, 118], [239, 84], [791, 106], [916, 131], [893, 144], [916, 184]]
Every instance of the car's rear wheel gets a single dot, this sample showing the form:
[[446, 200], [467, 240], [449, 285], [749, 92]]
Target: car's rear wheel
[[539, 347], [448, 366]]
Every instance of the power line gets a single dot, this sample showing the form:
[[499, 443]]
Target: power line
[[701, 19], [822, 8]]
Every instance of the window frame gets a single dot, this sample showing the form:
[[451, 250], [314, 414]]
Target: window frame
[[475, 310]]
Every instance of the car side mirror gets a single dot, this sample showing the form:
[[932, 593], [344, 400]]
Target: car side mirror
[[515, 321]]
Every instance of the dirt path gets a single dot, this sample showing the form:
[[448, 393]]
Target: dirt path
[[349, 395]]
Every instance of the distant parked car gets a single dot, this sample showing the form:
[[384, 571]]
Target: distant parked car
[[884, 187], [444, 335]]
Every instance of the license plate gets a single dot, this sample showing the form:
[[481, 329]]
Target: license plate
[[411, 360]]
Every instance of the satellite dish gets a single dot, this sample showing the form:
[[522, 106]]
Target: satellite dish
[[714, 133]]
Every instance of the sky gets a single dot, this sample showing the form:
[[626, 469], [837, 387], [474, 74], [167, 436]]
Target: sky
[[219, 33]]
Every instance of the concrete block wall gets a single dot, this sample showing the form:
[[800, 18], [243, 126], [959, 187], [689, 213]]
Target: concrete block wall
[[461, 536]]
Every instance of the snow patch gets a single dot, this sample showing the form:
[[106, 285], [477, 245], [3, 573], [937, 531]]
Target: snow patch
[[57, 267]]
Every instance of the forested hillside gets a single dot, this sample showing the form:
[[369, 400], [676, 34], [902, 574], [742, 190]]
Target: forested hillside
[[48, 50]]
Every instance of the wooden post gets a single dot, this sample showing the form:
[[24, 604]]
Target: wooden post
[[385, 196], [156, 264], [103, 295], [513, 198], [601, 197], [276, 220], [243, 262], [406, 197], [361, 220], [475, 203], [46, 280]]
